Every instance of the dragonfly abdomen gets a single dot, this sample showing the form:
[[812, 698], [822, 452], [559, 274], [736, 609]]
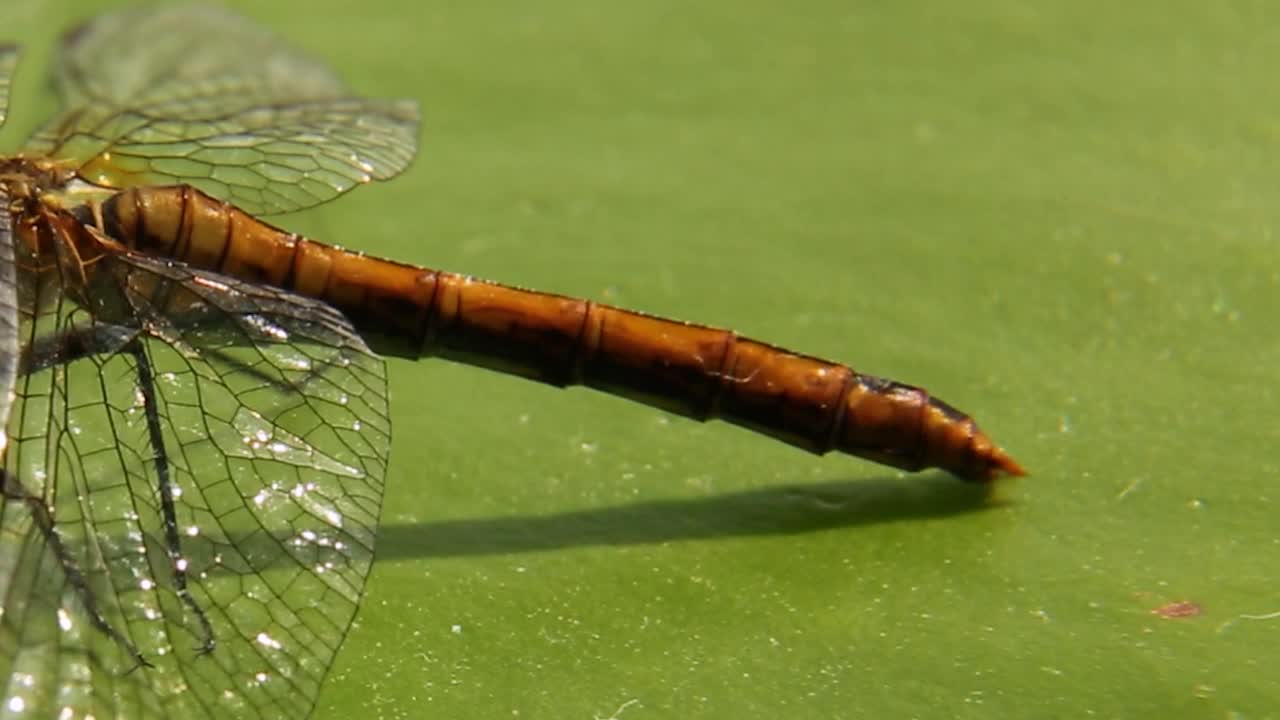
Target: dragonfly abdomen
[[691, 370], [183, 223], [704, 373]]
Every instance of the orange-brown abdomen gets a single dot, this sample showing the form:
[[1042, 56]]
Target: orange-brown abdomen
[[688, 369]]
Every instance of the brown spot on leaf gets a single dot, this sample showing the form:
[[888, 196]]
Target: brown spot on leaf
[[1180, 609]]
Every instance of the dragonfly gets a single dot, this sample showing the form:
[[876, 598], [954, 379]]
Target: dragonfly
[[194, 402]]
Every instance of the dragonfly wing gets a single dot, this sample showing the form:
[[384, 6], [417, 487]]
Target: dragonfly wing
[[8, 63], [213, 453], [8, 317], [141, 55], [198, 95]]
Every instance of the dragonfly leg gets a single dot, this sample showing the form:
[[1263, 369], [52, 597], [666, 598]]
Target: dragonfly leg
[[43, 519], [165, 488]]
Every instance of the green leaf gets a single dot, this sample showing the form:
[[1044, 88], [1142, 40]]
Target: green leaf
[[1061, 218]]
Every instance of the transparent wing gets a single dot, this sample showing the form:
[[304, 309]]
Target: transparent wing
[[193, 484], [8, 316], [8, 63], [195, 94]]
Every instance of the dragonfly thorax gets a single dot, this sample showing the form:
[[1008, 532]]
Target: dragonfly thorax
[[23, 178]]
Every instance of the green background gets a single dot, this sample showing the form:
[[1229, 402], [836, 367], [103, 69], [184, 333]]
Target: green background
[[1060, 217]]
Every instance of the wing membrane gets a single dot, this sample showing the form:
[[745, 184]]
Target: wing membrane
[[8, 315], [197, 95], [270, 416], [8, 63]]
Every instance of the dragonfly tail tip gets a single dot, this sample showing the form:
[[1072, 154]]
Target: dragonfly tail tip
[[1002, 463]]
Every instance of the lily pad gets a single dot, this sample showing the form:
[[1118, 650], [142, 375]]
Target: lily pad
[[1058, 217]]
